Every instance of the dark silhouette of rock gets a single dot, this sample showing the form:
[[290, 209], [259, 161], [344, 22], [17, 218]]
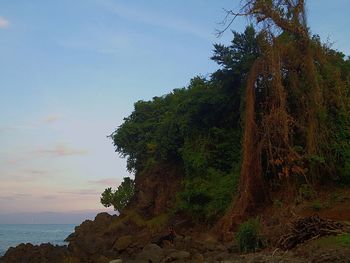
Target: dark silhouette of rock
[[28, 253]]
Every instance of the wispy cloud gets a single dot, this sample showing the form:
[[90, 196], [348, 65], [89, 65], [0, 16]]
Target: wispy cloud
[[61, 150], [17, 127], [51, 197], [58, 151], [26, 175], [4, 23], [30, 125], [3, 129], [35, 172], [106, 182], [52, 118], [156, 19], [106, 43], [81, 192], [14, 196]]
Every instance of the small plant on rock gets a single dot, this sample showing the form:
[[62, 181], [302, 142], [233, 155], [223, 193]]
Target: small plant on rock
[[120, 197], [248, 235], [316, 206], [305, 193]]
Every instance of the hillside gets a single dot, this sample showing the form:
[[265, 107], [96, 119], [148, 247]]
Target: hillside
[[225, 165]]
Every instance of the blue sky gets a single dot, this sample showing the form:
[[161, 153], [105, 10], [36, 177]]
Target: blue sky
[[71, 70]]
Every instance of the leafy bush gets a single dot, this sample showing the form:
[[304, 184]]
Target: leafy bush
[[120, 197], [339, 241], [187, 127], [316, 206], [277, 203], [197, 128], [306, 193], [248, 235]]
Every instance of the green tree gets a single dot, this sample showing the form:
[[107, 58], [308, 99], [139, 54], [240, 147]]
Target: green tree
[[120, 197]]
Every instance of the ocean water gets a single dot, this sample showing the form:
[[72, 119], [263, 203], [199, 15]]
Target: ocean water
[[12, 235]]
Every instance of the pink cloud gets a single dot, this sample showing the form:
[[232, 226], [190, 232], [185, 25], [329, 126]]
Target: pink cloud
[[52, 118], [14, 196], [81, 192], [4, 23], [26, 175], [106, 181], [61, 150]]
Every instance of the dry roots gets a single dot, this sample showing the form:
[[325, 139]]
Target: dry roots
[[309, 228]]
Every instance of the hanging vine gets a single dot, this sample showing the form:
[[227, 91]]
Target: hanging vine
[[286, 132]]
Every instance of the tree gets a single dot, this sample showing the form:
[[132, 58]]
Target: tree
[[290, 106], [120, 197]]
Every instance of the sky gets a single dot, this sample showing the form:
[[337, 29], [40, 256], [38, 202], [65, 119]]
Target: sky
[[70, 72]]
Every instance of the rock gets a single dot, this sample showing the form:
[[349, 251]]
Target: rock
[[70, 237], [197, 258], [123, 243], [177, 256], [150, 253], [29, 253], [331, 255], [116, 261], [100, 217], [94, 238], [102, 259], [156, 190]]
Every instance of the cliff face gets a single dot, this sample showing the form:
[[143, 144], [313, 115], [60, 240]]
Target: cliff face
[[156, 190]]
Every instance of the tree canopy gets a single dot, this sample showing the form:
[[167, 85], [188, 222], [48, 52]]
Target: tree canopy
[[276, 109]]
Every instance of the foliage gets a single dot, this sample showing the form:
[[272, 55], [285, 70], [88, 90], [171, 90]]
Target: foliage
[[154, 224], [248, 235], [340, 241], [297, 94], [120, 197], [277, 203], [198, 128], [316, 205], [290, 92], [306, 192]]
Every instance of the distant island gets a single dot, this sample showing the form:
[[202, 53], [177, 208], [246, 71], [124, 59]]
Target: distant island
[[47, 217]]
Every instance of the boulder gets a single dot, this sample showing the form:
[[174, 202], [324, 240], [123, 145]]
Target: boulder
[[123, 243], [150, 253], [177, 256], [197, 258], [28, 253]]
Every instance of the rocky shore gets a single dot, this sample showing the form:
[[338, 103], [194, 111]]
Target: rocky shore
[[114, 239]]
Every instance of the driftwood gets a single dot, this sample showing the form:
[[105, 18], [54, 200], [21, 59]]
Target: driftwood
[[310, 228]]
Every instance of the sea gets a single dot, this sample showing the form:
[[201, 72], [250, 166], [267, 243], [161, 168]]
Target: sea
[[12, 235]]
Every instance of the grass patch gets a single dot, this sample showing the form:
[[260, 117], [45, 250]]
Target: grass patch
[[316, 205], [335, 241], [305, 193], [337, 197], [277, 203], [155, 224], [248, 235]]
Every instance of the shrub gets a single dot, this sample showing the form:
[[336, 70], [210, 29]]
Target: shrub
[[305, 193], [120, 197], [248, 235], [316, 206], [277, 203]]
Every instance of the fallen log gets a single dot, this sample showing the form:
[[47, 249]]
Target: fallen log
[[309, 228]]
